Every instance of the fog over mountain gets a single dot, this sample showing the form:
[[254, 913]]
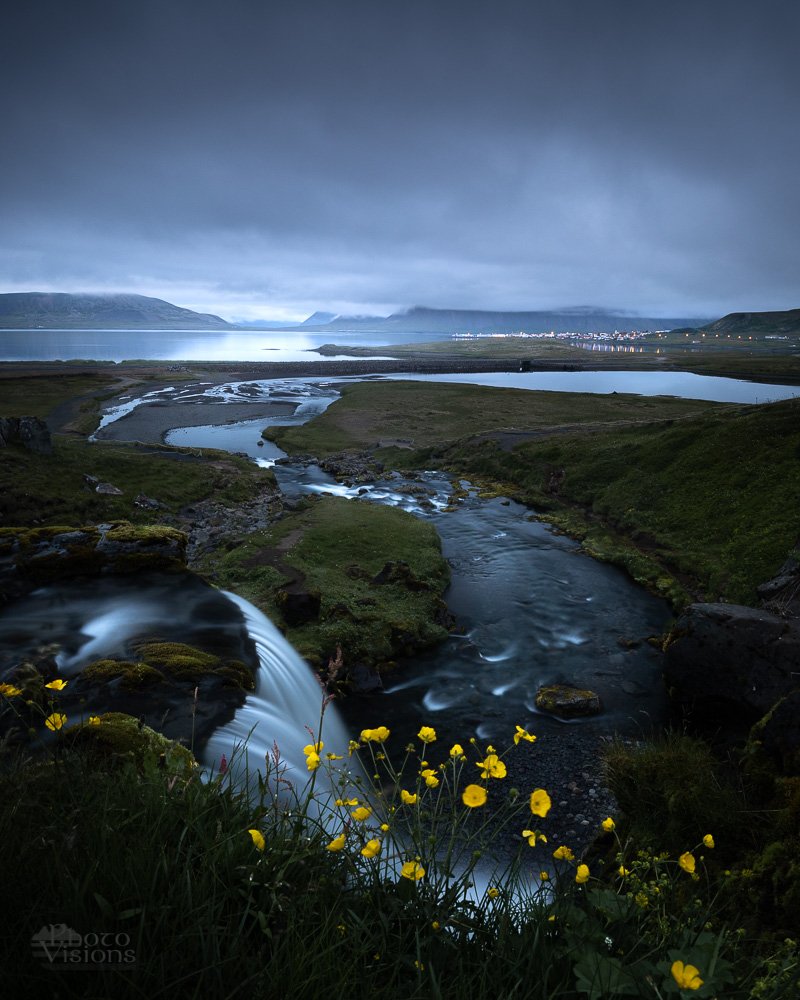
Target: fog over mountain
[[264, 160]]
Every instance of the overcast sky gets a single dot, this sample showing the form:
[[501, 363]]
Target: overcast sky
[[265, 158]]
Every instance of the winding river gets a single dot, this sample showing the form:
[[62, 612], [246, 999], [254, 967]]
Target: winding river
[[530, 609]]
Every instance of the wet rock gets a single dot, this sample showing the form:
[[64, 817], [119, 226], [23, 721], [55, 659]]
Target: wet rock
[[30, 432], [107, 489], [90, 480], [732, 656], [569, 702]]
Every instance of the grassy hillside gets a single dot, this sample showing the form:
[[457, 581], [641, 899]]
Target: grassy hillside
[[713, 499]]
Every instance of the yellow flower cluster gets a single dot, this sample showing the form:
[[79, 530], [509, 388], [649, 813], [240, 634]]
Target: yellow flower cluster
[[379, 735], [312, 755]]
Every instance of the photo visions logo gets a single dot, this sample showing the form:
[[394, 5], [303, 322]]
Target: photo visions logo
[[57, 946]]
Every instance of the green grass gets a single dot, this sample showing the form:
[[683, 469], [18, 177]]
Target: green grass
[[35, 396], [335, 547], [50, 489], [432, 414], [136, 847]]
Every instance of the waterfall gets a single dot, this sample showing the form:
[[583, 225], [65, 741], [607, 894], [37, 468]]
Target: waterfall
[[287, 699]]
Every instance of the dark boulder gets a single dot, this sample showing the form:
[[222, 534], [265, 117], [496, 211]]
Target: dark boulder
[[298, 604], [726, 654], [30, 432]]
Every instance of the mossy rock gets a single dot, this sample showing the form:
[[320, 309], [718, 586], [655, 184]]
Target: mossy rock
[[133, 674], [568, 702], [116, 735], [185, 663], [47, 554]]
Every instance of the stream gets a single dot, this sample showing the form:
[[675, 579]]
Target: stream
[[530, 608]]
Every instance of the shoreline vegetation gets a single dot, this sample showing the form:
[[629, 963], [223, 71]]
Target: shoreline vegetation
[[221, 888]]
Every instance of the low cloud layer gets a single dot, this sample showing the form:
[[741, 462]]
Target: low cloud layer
[[264, 159]]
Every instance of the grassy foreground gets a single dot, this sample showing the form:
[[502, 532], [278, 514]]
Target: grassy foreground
[[330, 886], [693, 498]]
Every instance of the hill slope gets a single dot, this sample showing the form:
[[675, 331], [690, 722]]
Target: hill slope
[[63, 311]]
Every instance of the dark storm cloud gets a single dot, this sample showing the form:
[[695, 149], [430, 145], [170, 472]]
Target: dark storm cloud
[[256, 157]]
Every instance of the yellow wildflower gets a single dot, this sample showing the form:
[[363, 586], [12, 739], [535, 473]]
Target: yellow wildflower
[[686, 861], [474, 795], [379, 735], [708, 841], [492, 892], [57, 685], [430, 777], [258, 839], [336, 844], [334, 756], [55, 721], [492, 767], [686, 976], [419, 965], [563, 853], [313, 748], [312, 761], [622, 871], [362, 813], [582, 874], [544, 876], [540, 802], [435, 925], [385, 827], [371, 848], [412, 870], [347, 802], [9, 690], [533, 836], [427, 734], [407, 798], [608, 824], [523, 734], [352, 746], [641, 900], [456, 750], [94, 720]]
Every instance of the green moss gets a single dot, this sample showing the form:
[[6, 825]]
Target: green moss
[[133, 674], [185, 663], [120, 735]]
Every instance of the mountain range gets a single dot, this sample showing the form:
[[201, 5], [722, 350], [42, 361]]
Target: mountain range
[[65, 311]]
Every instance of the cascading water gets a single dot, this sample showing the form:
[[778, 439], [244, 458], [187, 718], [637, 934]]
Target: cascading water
[[82, 622], [283, 711]]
